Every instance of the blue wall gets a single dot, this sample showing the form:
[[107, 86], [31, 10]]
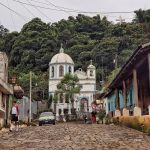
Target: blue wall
[[130, 96], [121, 99], [112, 96], [111, 102]]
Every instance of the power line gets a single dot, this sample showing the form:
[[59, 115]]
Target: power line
[[57, 7], [83, 12], [11, 16], [18, 14], [27, 9], [40, 11], [37, 6], [68, 8]]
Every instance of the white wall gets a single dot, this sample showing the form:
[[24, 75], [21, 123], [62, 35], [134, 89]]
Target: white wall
[[24, 107]]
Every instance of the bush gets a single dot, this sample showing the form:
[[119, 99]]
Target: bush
[[107, 120], [141, 123], [116, 120]]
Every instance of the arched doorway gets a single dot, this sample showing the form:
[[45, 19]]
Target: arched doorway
[[84, 105]]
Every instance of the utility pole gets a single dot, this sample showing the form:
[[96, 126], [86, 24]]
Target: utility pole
[[116, 64], [102, 71], [120, 20], [30, 96]]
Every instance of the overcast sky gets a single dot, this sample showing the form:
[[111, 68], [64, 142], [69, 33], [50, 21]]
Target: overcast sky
[[25, 12]]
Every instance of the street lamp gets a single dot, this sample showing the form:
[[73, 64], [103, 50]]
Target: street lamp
[[12, 81]]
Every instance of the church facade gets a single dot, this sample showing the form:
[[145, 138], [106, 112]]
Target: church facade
[[62, 64]]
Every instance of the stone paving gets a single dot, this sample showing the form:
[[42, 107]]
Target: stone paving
[[73, 136]]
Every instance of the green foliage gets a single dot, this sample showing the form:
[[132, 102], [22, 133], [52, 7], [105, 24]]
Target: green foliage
[[143, 16], [3, 31], [69, 85], [101, 115], [113, 75], [55, 98], [84, 38], [39, 85]]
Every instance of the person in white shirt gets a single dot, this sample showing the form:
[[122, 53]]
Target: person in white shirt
[[14, 116]]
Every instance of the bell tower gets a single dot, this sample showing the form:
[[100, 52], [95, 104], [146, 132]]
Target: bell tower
[[91, 73]]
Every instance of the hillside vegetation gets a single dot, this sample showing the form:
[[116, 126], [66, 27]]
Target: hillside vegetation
[[84, 38]]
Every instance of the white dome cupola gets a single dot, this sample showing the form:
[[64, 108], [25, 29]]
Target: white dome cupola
[[60, 64], [61, 58]]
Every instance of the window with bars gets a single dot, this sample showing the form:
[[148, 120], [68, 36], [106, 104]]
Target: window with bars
[[91, 73], [70, 70], [52, 72], [61, 71]]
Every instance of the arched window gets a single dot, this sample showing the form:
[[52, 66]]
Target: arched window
[[52, 72], [69, 69], [61, 71], [91, 73]]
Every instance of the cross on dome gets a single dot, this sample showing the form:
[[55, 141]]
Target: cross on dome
[[61, 49], [91, 61]]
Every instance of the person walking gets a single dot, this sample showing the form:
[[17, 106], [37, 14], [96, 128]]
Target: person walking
[[14, 116]]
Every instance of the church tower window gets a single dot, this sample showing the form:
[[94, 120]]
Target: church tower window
[[91, 73], [70, 69], [61, 71], [52, 72]]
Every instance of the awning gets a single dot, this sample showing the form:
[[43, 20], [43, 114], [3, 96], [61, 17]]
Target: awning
[[126, 70]]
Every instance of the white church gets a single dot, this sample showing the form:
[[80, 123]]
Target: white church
[[61, 64]]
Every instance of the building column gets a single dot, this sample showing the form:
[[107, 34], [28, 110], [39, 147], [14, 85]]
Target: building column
[[137, 109], [64, 97], [117, 98], [124, 94], [69, 108], [117, 111], [57, 112], [62, 110], [135, 86], [125, 110]]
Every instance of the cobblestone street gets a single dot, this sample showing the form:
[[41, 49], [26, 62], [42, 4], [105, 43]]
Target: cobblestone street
[[74, 136]]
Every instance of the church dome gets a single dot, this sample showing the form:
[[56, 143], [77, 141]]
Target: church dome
[[61, 57]]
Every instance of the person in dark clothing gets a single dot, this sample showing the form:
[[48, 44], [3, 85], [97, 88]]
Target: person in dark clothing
[[14, 115], [93, 115], [85, 118]]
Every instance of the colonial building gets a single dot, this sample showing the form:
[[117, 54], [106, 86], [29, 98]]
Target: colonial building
[[61, 64], [129, 92], [5, 89]]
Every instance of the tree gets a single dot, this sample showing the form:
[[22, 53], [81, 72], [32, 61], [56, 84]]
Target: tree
[[84, 38], [143, 16], [3, 31], [69, 85]]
